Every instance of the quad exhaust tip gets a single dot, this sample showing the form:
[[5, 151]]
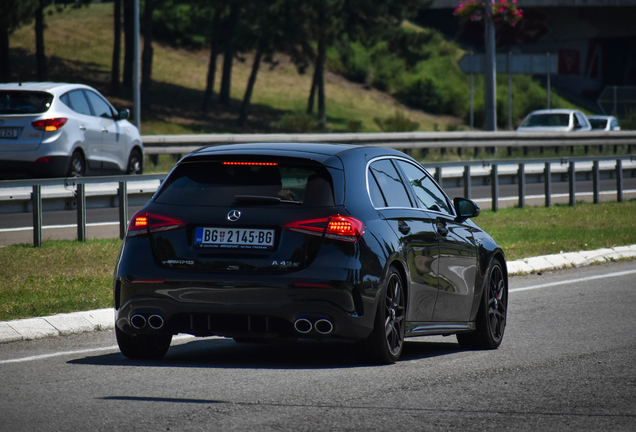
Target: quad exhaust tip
[[303, 325], [155, 321], [138, 321], [322, 326]]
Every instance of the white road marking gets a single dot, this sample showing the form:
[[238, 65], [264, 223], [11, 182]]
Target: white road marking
[[571, 281], [71, 353]]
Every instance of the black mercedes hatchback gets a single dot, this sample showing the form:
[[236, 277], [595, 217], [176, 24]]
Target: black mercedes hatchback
[[263, 242]]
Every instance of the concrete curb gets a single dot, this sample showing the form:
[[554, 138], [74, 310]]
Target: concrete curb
[[104, 319]]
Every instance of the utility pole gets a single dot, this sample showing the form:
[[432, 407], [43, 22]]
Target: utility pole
[[136, 69], [490, 70]]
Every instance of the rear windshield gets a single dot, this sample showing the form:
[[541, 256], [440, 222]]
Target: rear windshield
[[598, 123], [547, 120], [226, 183], [24, 102]]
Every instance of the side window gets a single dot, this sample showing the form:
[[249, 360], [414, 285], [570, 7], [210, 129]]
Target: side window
[[78, 102], [64, 98], [577, 122], [613, 124], [100, 107], [390, 183], [429, 195], [376, 194]]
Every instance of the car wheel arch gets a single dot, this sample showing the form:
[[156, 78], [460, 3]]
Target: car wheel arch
[[400, 265]]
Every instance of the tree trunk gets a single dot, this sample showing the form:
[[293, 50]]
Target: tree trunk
[[208, 100], [228, 56], [146, 58], [40, 55], [5, 59], [320, 67], [129, 43], [312, 93], [245, 106], [114, 74]]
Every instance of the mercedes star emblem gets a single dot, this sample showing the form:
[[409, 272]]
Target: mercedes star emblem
[[234, 215]]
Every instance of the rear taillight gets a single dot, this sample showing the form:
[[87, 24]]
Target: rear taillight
[[143, 223], [344, 228], [49, 125]]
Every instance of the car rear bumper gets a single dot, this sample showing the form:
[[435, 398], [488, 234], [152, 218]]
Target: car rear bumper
[[259, 312], [56, 166]]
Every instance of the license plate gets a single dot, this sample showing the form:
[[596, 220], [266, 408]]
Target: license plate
[[8, 133], [236, 238]]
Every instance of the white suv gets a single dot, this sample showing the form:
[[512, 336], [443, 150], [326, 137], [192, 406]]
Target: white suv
[[65, 130], [555, 120]]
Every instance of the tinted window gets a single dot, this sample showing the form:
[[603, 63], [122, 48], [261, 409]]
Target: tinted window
[[100, 107], [390, 183], [376, 194], [78, 102], [429, 196], [598, 123], [214, 183], [24, 102], [547, 120]]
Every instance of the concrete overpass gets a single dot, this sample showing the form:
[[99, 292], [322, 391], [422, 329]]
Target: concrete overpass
[[595, 40]]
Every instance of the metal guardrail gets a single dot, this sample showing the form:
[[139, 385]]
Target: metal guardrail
[[487, 168], [179, 144]]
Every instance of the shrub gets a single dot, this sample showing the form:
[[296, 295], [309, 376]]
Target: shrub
[[397, 123], [298, 121], [356, 60]]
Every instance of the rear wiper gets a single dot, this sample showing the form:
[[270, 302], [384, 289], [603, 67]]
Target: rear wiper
[[260, 199]]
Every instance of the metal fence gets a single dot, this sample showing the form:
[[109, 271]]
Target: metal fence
[[493, 172]]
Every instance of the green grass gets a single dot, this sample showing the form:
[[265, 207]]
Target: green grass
[[67, 276]]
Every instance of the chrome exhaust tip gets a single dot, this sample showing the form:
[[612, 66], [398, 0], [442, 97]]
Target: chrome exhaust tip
[[323, 326], [303, 325], [138, 321], [155, 321]]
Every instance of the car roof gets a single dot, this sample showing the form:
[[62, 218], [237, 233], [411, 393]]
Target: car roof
[[320, 152], [51, 87], [554, 111]]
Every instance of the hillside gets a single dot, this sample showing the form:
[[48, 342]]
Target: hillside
[[79, 47]]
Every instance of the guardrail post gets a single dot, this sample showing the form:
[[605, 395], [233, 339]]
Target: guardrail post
[[438, 176], [467, 182], [596, 182], [36, 200], [494, 183], [619, 180], [548, 184], [572, 181], [122, 194], [81, 212], [522, 185]]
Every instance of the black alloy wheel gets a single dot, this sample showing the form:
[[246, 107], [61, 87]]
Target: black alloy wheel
[[135, 165], [492, 315], [77, 166], [142, 347], [384, 344]]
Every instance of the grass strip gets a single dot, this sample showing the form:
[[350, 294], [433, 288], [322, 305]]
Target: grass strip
[[66, 276]]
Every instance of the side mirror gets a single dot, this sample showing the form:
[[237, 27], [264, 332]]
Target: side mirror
[[616, 128], [123, 114], [465, 208]]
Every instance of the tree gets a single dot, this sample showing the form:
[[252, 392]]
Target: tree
[[15, 13], [114, 74], [40, 54], [228, 52], [146, 58]]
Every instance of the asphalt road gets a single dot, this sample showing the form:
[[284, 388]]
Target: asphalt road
[[566, 363]]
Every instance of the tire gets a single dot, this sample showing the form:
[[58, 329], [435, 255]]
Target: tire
[[492, 314], [384, 344], [143, 347], [135, 163], [77, 166]]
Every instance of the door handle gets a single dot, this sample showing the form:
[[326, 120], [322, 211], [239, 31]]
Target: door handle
[[404, 228], [82, 127], [104, 130]]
